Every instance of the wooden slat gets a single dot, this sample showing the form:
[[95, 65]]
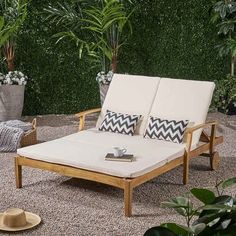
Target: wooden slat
[[172, 164], [154, 173], [72, 172], [205, 147]]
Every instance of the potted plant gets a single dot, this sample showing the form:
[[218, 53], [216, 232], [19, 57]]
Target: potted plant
[[12, 16], [224, 16], [215, 217], [101, 30], [12, 88], [104, 81]]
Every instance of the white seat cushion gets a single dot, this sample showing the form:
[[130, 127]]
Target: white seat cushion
[[87, 149], [131, 94], [183, 100]]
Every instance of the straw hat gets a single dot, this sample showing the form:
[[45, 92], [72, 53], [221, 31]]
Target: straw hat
[[16, 219]]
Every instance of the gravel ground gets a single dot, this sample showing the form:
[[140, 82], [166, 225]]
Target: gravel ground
[[70, 206]]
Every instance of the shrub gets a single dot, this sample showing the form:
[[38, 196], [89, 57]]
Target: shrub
[[216, 217]]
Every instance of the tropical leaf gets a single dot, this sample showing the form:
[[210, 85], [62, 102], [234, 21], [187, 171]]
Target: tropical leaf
[[216, 207], [2, 22], [204, 195], [210, 219], [198, 228], [10, 24], [100, 25], [178, 229], [159, 231], [229, 182], [182, 205], [64, 15], [224, 200], [226, 26]]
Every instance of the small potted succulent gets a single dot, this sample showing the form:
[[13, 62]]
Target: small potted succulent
[[104, 81], [12, 88]]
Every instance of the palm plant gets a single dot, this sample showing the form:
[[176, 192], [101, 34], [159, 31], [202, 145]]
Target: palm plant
[[13, 14], [96, 26], [224, 14]]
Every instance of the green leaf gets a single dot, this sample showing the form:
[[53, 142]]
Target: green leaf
[[225, 223], [2, 22], [204, 195], [224, 200], [96, 21], [216, 207], [230, 231], [228, 183], [159, 231], [198, 228], [182, 205], [209, 218], [180, 230]]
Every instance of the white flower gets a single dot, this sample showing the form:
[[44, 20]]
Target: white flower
[[14, 77], [104, 78]]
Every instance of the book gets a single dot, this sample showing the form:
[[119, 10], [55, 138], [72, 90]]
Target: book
[[125, 157]]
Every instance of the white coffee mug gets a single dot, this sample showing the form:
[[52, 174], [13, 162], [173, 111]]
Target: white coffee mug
[[119, 152]]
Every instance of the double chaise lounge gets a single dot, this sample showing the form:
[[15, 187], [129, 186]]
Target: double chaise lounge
[[82, 154]]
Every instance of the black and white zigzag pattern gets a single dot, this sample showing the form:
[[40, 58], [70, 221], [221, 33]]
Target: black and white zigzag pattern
[[169, 130], [119, 123]]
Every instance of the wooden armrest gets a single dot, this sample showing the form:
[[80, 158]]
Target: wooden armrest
[[82, 115], [201, 126], [191, 130], [189, 133]]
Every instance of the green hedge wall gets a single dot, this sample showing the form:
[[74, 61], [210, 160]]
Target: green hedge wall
[[170, 38]]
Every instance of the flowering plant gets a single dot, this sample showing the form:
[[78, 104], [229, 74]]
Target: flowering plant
[[13, 78], [104, 78]]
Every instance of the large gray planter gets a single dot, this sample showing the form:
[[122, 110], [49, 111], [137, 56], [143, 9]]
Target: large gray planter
[[11, 101], [103, 92]]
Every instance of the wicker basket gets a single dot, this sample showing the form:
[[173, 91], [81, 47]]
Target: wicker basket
[[30, 138]]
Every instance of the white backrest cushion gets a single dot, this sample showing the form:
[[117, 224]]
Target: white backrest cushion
[[131, 94], [183, 100]]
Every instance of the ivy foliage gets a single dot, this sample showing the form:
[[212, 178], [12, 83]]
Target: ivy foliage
[[170, 39]]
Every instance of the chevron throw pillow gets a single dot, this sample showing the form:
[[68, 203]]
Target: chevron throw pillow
[[168, 130], [119, 123]]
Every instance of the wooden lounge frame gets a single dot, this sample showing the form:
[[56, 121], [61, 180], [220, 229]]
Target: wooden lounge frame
[[206, 148]]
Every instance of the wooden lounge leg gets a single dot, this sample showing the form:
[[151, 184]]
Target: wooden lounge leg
[[186, 158], [18, 173], [186, 169], [214, 156], [128, 192], [215, 160]]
